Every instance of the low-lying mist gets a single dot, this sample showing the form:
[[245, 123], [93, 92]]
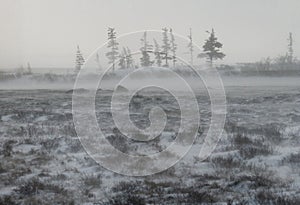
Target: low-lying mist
[[61, 82]]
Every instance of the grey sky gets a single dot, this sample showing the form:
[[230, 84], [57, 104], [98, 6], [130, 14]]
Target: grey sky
[[46, 32]]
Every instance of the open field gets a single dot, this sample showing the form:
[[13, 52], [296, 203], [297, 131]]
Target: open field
[[257, 160]]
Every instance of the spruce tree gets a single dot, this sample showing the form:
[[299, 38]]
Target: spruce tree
[[113, 54], [122, 59], [157, 53], [290, 53], [129, 59], [191, 47], [166, 47], [79, 60], [173, 47], [212, 48], [145, 50]]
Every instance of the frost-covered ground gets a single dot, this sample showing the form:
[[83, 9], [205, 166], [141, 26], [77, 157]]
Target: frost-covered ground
[[257, 160]]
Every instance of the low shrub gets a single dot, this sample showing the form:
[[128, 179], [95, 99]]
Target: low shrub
[[271, 198], [34, 186], [228, 162], [7, 200], [292, 159], [250, 148], [92, 181]]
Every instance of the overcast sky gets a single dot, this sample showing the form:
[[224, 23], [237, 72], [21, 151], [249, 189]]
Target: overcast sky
[[46, 32]]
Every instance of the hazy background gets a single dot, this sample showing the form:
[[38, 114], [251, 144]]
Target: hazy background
[[46, 32]]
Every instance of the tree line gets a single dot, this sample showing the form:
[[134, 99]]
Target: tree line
[[283, 62], [160, 55]]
